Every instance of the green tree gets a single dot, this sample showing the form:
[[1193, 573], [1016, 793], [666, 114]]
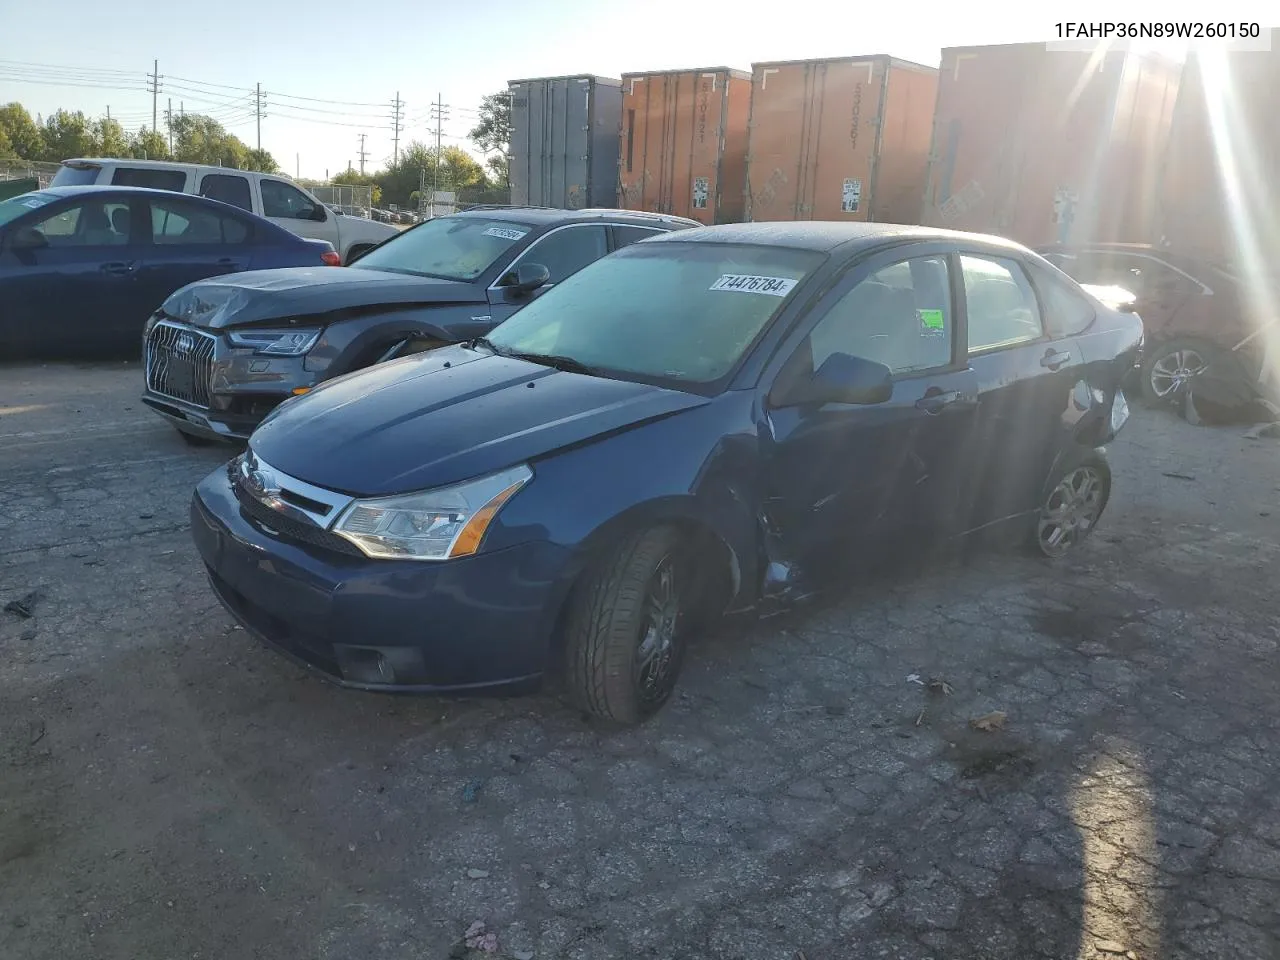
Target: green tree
[[499, 168], [66, 135], [110, 138], [22, 132], [493, 132], [6, 147], [457, 171], [262, 161], [149, 145]]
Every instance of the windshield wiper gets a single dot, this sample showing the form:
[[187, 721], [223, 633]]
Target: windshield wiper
[[556, 361], [486, 343]]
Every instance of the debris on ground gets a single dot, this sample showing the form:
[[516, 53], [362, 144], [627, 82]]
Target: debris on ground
[[471, 790], [25, 607], [477, 939], [1178, 476], [915, 678], [475, 874], [990, 722], [938, 685], [1110, 946]]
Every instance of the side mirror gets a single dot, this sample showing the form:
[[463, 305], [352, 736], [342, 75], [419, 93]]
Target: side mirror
[[28, 238], [844, 379], [318, 214], [527, 277]]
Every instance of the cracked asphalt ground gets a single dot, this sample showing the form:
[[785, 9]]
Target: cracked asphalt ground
[[168, 788]]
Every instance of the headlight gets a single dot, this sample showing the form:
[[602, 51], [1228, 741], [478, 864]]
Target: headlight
[[433, 525], [280, 343]]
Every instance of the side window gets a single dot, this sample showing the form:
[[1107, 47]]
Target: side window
[[229, 189], [899, 316], [286, 202], [1066, 311], [93, 223], [567, 251], [1001, 306], [174, 223], [175, 180], [624, 236]]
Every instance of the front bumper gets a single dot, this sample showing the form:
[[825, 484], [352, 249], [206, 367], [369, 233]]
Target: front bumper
[[230, 390], [480, 623]]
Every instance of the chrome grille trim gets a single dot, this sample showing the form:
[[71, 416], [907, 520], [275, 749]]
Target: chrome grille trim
[[257, 480], [171, 343]]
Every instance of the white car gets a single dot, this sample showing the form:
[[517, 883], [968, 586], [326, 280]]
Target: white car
[[273, 196]]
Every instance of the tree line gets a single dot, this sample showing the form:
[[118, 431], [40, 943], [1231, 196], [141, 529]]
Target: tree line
[[200, 139], [66, 133]]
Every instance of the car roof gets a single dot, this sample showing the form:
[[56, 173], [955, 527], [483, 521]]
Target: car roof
[[552, 215], [168, 165], [1111, 247], [71, 191], [825, 236]]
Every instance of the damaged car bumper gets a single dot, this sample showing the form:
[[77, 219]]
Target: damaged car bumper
[[480, 623], [204, 385]]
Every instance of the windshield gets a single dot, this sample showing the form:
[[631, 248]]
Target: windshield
[[77, 176], [453, 248], [15, 207], [667, 311]]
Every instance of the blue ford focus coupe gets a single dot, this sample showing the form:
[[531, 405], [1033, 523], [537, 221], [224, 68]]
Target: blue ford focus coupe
[[672, 433]]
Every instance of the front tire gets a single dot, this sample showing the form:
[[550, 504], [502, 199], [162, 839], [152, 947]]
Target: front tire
[[1170, 368], [1073, 507], [626, 630]]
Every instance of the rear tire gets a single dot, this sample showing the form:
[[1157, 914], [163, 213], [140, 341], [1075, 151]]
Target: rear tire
[[626, 629], [1071, 510]]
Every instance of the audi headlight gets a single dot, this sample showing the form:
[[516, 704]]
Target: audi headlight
[[434, 525], [279, 343]]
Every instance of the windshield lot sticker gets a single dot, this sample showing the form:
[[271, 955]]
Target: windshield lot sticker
[[743, 283], [931, 323], [34, 202], [505, 233]]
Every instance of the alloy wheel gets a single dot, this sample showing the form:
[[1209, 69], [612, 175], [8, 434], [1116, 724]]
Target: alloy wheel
[[1071, 510], [1171, 373], [655, 653]]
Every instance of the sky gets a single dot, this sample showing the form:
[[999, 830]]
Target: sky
[[330, 71]]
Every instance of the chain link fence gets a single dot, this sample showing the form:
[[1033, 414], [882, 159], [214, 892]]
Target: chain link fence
[[351, 199], [12, 168]]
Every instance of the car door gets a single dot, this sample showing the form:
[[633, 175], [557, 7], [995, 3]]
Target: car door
[[74, 277], [892, 469], [288, 207], [563, 251], [1026, 372], [190, 241]]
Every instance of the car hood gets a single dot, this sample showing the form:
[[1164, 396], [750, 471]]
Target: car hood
[[446, 416], [258, 295]]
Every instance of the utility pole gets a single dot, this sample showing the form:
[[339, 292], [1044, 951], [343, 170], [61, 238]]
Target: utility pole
[[108, 111], [439, 114], [297, 165], [361, 154], [154, 77], [168, 122], [257, 107], [397, 116]]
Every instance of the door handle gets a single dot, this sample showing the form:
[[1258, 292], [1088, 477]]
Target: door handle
[[934, 402], [1055, 359], [119, 268], [227, 262]]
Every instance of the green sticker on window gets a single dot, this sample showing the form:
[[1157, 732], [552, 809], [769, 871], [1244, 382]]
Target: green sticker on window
[[931, 321]]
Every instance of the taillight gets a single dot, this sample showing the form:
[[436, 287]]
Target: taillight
[[331, 259]]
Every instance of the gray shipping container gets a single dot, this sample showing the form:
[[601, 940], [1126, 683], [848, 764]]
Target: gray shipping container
[[564, 141]]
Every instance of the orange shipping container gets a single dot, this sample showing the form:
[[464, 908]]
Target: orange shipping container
[[1220, 195], [684, 143], [1049, 146], [839, 139]]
